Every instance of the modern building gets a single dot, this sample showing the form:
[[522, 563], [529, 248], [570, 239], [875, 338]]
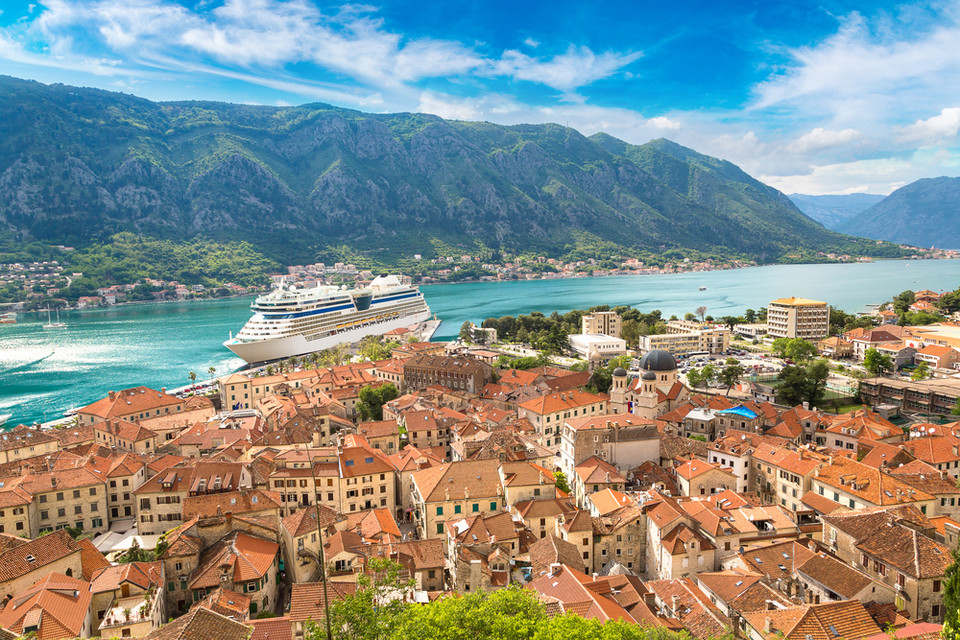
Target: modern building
[[937, 396], [709, 340], [606, 322], [798, 318], [597, 345]]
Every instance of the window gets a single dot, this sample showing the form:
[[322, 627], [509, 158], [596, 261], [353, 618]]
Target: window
[[59, 496], [439, 527], [936, 586], [76, 493], [439, 511], [493, 506], [456, 508], [93, 491], [476, 507]]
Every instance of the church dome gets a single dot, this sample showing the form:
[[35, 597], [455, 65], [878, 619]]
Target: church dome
[[658, 360], [649, 375], [619, 372]]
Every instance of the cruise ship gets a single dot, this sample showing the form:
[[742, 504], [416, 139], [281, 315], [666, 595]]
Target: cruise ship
[[291, 322]]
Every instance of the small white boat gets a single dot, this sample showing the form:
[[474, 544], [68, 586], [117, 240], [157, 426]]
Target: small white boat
[[54, 325], [702, 289]]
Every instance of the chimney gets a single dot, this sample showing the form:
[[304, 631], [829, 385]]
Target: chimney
[[446, 494], [112, 395], [163, 389], [466, 493], [675, 602], [806, 405], [768, 625], [475, 575]]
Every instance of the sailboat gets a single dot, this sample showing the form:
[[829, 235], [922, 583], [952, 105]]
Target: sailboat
[[54, 325]]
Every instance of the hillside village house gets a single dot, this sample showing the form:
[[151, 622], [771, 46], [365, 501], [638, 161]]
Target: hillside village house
[[547, 413], [453, 490], [136, 403]]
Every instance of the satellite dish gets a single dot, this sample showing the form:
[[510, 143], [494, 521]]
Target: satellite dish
[[931, 430]]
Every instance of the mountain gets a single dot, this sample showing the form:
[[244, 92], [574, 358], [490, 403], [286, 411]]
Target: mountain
[[831, 211], [79, 165], [925, 213]]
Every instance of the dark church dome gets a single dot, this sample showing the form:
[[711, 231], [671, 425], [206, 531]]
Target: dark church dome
[[658, 360]]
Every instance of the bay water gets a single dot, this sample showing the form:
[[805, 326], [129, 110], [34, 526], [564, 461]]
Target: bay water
[[44, 372]]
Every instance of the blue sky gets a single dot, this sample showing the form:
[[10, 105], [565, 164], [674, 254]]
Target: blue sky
[[811, 97]]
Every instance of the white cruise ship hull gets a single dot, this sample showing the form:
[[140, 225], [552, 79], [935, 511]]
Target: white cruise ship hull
[[270, 349]]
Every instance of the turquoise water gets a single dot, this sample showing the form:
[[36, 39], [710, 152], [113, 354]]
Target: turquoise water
[[45, 372]]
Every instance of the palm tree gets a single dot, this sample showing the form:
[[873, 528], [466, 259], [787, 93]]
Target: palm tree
[[192, 376], [315, 361], [269, 370], [212, 371]]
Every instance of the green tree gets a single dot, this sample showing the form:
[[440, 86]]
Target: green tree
[[922, 372], [465, 334], [799, 350], [877, 363], [750, 316], [792, 389], [730, 375], [372, 399], [702, 312], [630, 331], [779, 347], [956, 408], [695, 378], [192, 376], [708, 373], [212, 371], [818, 373], [951, 599], [375, 610], [560, 478], [903, 301]]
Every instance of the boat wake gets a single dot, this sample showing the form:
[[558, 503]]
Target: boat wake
[[25, 366]]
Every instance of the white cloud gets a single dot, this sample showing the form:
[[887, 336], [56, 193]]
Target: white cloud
[[530, 42], [448, 107], [662, 122], [820, 138], [933, 130], [577, 67]]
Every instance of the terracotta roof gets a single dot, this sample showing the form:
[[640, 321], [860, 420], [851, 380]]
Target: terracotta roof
[[247, 557], [870, 485], [727, 585], [362, 461], [141, 574], [909, 551], [695, 468], [57, 604], [571, 587], [611, 420], [480, 478], [201, 624], [228, 603], [307, 598], [130, 401], [826, 621], [566, 400], [304, 521], [36, 554], [594, 470], [233, 502], [820, 503], [835, 575], [423, 554], [272, 629], [697, 613], [917, 631], [372, 523]]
